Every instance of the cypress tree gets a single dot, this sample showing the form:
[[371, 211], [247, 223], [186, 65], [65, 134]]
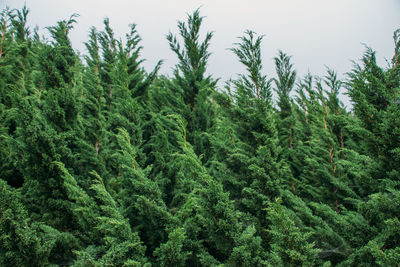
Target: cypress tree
[[26, 241], [257, 129], [284, 84], [113, 242], [191, 80], [103, 163]]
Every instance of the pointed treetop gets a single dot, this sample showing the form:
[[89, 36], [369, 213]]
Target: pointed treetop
[[249, 53], [194, 54]]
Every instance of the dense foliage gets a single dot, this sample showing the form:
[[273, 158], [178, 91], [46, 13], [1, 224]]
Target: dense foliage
[[105, 164]]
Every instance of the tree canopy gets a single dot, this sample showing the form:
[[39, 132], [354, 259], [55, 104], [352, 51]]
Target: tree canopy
[[105, 164]]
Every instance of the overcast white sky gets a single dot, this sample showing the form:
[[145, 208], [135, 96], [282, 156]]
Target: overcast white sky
[[315, 32]]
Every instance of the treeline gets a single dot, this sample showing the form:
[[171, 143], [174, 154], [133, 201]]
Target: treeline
[[105, 164]]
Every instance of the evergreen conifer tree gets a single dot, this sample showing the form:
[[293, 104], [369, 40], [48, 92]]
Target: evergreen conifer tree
[[191, 80], [255, 126], [105, 164], [284, 84]]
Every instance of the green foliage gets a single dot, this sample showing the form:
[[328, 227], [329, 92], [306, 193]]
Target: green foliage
[[190, 82], [289, 246], [26, 242], [249, 53], [105, 164], [171, 253], [248, 250], [192, 57], [284, 85]]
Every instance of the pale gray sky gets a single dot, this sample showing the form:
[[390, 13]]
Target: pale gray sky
[[314, 32]]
